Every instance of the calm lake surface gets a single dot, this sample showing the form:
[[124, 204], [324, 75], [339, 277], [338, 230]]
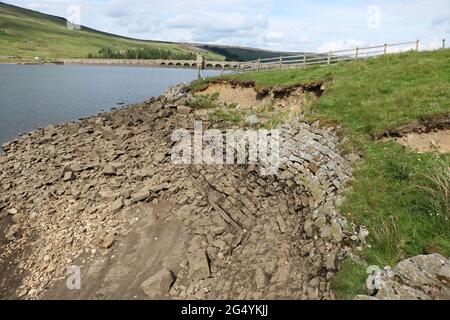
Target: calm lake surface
[[35, 96]]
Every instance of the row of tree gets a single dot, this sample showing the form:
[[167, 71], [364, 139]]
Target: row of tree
[[143, 53]]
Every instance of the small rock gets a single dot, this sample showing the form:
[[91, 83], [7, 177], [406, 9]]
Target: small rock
[[184, 110], [199, 265], [12, 233], [325, 232], [260, 278], [109, 170], [140, 196], [320, 221], [281, 224], [108, 241], [313, 168], [252, 119], [222, 245], [69, 176], [108, 195], [336, 231], [116, 206], [158, 284], [308, 228], [330, 262]]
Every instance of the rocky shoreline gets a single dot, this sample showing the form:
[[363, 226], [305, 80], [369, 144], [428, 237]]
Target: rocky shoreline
[[71, 193]]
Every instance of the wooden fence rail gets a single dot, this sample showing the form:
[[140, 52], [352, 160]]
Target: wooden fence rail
[[328, 58]]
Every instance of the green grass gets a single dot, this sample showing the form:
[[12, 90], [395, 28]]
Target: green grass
[[208, 101], [349, 282], [28, 34], [285, 77], [223, 115], [274, 120], [402, 197]]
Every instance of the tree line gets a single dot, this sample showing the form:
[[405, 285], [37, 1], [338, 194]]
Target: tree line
[[143, 53]]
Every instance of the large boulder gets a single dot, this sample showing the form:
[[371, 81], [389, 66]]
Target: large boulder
[[425, 277]]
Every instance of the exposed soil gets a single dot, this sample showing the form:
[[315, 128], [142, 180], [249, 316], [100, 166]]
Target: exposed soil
[[426, 135], [290, 99], [427, 142]]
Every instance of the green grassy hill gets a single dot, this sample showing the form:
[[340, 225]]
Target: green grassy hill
[[401, 196], [27, 34]]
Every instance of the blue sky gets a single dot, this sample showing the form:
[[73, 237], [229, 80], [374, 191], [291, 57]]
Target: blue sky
[[295, 25]]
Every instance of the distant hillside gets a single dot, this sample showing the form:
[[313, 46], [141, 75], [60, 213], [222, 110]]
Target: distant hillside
[[27, 34], [233, 53]]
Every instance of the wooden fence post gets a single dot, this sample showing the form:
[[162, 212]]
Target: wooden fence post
[[238, 67], [259, 64], [281, 61], [417, 45], [443, 44], [304, 60], [329, 57], [385, 48], [357, 53]]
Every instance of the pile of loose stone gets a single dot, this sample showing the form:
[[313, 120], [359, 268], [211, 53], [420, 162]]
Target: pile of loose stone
[[64, 190]]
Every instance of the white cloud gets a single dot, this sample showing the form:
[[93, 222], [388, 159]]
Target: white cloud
[[275, 37], [341, 45]]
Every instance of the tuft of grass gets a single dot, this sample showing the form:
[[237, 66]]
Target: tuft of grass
[[223, 115], [208, 101], [348, 283], [275, 120], [435, 184], [267, 106], [198, 85]]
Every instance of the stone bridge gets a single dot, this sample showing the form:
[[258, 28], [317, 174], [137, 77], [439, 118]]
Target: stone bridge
[[154, 63]]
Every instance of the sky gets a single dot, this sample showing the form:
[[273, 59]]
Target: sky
[[287, 25]]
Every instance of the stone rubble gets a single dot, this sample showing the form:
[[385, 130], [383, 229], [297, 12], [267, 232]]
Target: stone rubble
[[67, 188]]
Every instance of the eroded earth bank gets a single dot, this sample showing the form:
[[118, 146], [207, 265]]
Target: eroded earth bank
[[103, 194]]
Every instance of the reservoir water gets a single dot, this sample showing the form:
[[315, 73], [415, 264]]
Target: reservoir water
[[34, 96]]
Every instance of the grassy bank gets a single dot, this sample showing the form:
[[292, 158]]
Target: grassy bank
[[401, 196]]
